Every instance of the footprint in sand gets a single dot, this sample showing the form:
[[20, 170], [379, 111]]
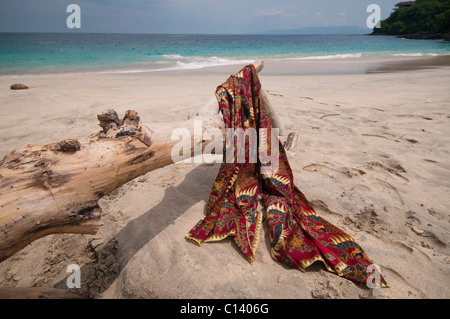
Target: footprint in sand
[[415, 224], [411, 219], [418, 116], [396, 276], [374, 135], [390, 189], [413, 141], [326, 290], [322, 206], [410, 140], [367, 220], [333, 172], [391, 166], [436, 214], [443, 165]]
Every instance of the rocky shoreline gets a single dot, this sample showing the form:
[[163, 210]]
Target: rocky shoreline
[[427, 36], [423, 35]]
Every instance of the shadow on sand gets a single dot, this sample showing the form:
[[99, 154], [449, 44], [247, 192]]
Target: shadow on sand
[[111, 257]]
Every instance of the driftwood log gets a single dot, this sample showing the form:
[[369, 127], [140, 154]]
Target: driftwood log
[[55, 188]]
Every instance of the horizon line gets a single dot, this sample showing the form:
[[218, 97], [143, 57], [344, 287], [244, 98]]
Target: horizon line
[[294, 31], [160, 33]]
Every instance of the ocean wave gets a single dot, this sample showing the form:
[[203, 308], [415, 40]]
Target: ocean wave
[[173, 62], [121, 71], [197, 62], [172, 56], [415, 54], [330, 56]]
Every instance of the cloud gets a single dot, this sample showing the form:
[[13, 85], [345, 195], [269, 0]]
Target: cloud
[[323, 20], [319, 16], [274, 12], [338, 20], [268, 12], [341, 19]]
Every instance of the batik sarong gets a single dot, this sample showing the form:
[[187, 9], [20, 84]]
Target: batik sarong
[[298, 236]]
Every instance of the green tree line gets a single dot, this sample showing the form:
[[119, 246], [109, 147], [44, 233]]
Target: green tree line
[[432, 16]]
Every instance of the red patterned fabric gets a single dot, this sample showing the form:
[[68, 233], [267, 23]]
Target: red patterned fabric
[[298, 236]]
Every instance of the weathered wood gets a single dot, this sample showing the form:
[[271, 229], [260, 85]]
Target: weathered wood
[[291, 141], [55, 188], [271, 112]]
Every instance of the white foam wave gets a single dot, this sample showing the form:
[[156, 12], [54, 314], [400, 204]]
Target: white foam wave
[[172, 56], [197, 62], [177, 62], [415, 54], [122, 71], [331, 56]]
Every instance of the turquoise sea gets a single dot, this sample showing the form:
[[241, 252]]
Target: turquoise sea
[[28, 53]]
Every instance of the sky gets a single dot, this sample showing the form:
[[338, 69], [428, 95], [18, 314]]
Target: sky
[[186, 16]]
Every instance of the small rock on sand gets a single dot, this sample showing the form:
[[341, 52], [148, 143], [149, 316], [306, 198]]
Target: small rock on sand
[[19, 86]]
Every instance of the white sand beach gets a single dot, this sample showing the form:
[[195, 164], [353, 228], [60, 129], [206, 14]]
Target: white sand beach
[[372, 156]]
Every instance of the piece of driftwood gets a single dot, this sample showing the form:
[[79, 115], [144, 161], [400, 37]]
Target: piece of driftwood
[[55, 188], [276, 122], [291, 141]]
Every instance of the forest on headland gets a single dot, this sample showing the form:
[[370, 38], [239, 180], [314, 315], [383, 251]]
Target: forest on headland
[[420, 19]]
